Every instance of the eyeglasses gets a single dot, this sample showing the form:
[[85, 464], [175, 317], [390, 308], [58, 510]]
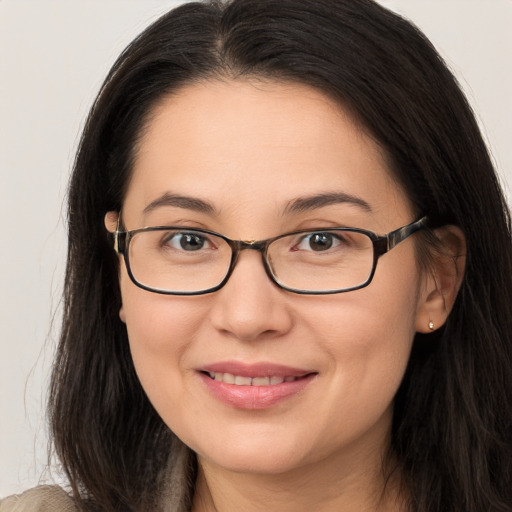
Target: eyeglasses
[[177, 260]]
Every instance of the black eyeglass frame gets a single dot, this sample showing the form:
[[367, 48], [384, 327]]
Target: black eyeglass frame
[[381, 245]]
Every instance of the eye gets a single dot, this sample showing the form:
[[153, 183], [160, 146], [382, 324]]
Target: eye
[[318, 242], [187, 241]]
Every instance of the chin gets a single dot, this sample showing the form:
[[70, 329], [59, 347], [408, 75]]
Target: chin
[[262, 463], [253, 454]]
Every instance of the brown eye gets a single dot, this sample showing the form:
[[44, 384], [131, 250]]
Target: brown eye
[[318, 242], [186, 241], [191, 242]]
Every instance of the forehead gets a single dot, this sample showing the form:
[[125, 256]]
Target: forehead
[[257, 115], [244, 145]]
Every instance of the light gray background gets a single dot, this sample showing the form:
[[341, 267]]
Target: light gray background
[[53, 57]]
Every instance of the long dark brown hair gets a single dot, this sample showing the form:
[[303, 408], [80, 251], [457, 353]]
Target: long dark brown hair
[[452, 427]]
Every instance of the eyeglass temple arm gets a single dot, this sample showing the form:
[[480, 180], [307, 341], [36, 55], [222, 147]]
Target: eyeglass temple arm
[[399, 235], [119, 237]]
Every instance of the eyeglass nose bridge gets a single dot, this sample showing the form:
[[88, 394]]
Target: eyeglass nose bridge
[[237, 246], [255, 245]]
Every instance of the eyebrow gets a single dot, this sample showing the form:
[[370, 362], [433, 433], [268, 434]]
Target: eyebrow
[[299, 205], [187, 202], [304, 204]]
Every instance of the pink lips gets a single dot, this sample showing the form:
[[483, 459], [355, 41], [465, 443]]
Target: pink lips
[[281, 382]]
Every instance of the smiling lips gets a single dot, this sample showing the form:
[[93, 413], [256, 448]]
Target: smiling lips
[[254, 387]]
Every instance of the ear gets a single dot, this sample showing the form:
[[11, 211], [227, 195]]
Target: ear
[[110, 220], [442, 280]]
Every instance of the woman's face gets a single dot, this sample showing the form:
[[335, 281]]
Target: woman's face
[[250, 150]]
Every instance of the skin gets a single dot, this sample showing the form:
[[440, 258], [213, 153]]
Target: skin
[[249, 149]]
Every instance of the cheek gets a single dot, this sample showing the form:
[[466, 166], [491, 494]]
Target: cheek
[[160, 329], [367, 353], [367, 337]]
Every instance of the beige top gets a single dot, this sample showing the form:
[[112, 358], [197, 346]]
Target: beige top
[[51, 498], [46, 498]]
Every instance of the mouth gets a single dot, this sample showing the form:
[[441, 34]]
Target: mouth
[[255, 387]]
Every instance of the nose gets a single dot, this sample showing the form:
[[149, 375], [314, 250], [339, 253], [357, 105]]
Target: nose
[[250, 306]]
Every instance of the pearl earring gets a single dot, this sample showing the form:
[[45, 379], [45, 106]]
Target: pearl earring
[[431, 325]]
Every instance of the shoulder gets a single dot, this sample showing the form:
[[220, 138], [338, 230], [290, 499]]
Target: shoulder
[[46, 498]]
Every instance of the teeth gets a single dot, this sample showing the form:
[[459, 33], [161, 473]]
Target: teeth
[[261, 381], [238, 380], [243, 381], [226, 377]]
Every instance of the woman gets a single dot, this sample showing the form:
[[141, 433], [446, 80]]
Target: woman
[[362, 360]]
